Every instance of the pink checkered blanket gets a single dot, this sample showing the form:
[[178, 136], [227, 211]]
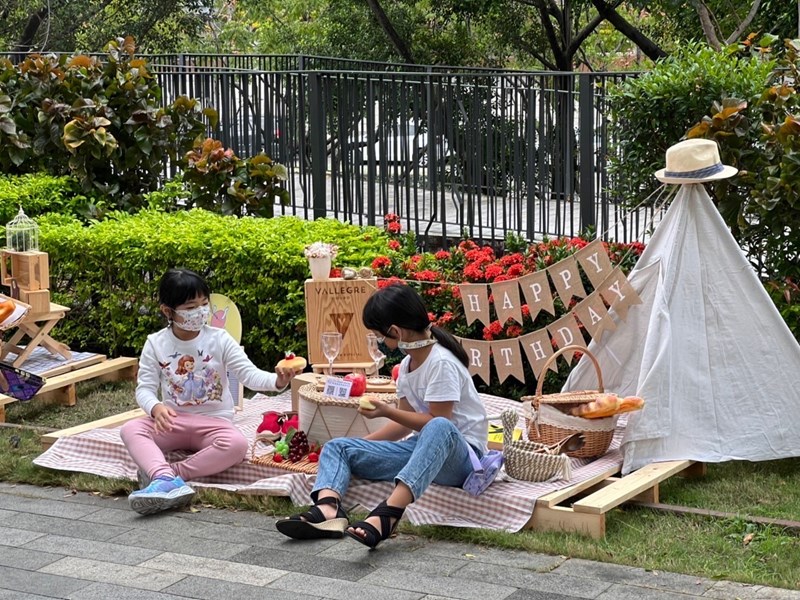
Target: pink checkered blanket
[[506, 504]]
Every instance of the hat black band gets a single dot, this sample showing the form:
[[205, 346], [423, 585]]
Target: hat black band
[[697, 174]]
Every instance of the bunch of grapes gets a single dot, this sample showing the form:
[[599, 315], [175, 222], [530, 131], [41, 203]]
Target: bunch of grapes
[[298, 446], [281, 449]]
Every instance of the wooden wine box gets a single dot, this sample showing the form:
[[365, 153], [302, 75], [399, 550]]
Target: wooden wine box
[[336, 305]]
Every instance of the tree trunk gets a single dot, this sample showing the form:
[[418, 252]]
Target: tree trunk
[[648, 46], [25, 42], [386, 24]]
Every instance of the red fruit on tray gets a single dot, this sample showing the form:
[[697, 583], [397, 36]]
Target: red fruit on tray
[[277, 457], [395, 372], [359, 383], [313, 457]]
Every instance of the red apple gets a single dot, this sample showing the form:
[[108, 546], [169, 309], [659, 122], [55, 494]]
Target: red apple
[[395, 372], [359, 383]]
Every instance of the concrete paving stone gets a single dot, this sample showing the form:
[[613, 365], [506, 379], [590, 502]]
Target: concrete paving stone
[[772, 593], [106, 591], [107, 551], [214, 569], [24, 558], [313, 564], [84, 530], [214, 589], [180, 544], [280, 542], [619, 591], [237, 518], [724, 590], [394, 554], [6, 514], [44, 506], [35, 582], [496, 556], [124, 575], [539, 595], [11, 536], [450, 587], [523, 578], [12, 595], [676, 582], [339, 589]]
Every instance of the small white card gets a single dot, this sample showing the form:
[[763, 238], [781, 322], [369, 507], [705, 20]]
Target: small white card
[[336, 387]]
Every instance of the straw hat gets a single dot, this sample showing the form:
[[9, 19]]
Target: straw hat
[[694, 161]]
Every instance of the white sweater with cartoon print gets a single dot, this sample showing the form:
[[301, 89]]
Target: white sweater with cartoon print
[[193, 375]]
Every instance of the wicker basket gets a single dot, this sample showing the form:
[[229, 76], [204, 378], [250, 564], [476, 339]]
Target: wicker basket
[[530, 461], [550, 423], [324, 418]]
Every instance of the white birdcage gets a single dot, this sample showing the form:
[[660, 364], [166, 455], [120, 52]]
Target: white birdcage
[[22, 233]]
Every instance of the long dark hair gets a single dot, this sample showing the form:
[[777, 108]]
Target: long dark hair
[[402, 306], [179, 286]]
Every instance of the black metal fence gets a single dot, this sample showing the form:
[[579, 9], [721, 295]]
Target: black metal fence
[[453, 151]]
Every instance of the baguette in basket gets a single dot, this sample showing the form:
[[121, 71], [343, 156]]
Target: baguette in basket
[[607, 405]]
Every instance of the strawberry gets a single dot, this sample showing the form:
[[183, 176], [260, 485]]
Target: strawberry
[[289, 355], [277, 457], [313, 457]]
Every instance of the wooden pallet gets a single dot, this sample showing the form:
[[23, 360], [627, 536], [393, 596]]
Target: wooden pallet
[[582, 507], [60, 387]]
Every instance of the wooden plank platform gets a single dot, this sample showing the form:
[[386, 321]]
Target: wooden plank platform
[[598, 495], [49, 439], [61, 388]]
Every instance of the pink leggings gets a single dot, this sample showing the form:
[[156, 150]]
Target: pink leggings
[[216, 444]]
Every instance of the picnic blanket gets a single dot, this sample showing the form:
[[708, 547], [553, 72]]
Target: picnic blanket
[[506, 504]]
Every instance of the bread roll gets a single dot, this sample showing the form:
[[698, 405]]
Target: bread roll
[[605, 406], [630, 403], [366, 404], [292, 362]]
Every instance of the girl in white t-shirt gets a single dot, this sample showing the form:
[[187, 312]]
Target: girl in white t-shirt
[[438, 414]]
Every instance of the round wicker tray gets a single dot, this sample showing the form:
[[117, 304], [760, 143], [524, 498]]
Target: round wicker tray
[[312, 394]]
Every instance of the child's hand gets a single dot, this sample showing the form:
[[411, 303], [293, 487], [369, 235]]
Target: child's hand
[[285, 375], [371, 413], [162, 416]]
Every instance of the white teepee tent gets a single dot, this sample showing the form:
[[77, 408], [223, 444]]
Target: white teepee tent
[[707, 349]]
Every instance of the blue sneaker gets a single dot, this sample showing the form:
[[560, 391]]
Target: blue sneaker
[[162, 493]]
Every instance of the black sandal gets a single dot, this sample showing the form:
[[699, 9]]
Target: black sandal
[[312, 525], [372, 537]]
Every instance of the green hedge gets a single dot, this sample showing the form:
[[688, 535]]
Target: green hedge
[[108, 272], [39, 193]]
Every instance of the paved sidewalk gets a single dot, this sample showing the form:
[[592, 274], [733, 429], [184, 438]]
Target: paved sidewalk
[[57, 545]]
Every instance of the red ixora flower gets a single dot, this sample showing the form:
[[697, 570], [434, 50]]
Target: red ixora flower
[[381, 261], [382, 283], [493, 271], [394, 245], [394, 227], [492, 330], [426, 275], [391, 218], [442, 255]]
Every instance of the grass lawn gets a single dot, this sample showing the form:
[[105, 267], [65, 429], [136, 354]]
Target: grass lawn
[[717, 548]]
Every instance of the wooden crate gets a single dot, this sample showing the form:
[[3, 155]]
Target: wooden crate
[[30, 270], [336, 305], [39, 300]]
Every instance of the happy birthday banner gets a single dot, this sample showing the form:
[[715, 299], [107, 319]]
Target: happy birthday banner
[[611, 288]]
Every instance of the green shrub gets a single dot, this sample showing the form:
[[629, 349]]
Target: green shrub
[[107, 273], [654, 111], [39, 193], [99, 120]]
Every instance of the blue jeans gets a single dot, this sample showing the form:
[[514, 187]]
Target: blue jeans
[[437, 454]]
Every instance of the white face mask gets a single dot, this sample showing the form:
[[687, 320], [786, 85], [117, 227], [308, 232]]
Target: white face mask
[[193, 319]]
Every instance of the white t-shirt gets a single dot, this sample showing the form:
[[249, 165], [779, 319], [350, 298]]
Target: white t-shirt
[[443, 378], [193, 375]]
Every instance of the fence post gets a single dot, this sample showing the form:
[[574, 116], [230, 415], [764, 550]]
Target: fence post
[[317, 138], [587, 157]]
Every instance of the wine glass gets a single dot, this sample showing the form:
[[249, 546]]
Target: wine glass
[[374, 350], [331, 346]]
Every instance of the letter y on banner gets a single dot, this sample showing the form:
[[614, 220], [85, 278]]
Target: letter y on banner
[[617, 291]]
